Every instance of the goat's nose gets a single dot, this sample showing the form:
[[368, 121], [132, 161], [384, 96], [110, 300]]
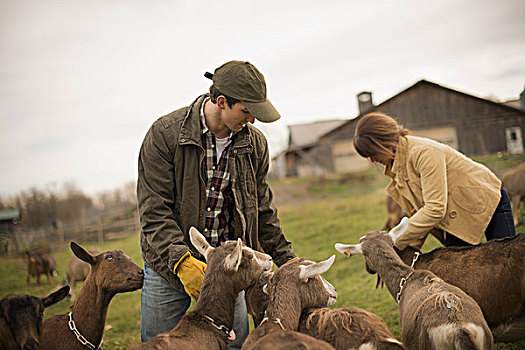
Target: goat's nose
[[31, 344], [141, 272]]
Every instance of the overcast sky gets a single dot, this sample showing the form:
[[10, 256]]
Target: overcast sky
[[82, 81]]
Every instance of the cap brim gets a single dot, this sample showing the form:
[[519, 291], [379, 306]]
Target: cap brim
[[262, 111]]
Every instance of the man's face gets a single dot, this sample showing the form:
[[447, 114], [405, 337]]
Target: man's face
[[236, 117]]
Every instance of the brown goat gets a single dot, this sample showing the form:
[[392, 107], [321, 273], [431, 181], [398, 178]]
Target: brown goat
[[434, 314], [111, 272], [395, 213], [514, 183], [77, 270], [232, 267], [343, 328], [21, 319], [40, 262], [295, 286], [492, 273]]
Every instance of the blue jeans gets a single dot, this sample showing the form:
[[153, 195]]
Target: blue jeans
[[162, 307], [501, 225]]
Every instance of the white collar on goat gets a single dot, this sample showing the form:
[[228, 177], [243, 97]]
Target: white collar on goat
[[416, 256], [80, 337], [402, 283], [228, 332], [277, 320]]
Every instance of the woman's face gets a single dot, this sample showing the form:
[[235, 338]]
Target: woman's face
[[381, 159]]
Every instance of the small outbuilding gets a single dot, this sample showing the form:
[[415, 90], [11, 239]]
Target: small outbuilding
[[9, 218]]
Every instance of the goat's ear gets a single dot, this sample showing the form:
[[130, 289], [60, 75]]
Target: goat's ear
[[55, 297], [199, 242], [82, 254], [233, 260], [349, 249], [316, 269], [398, 231]]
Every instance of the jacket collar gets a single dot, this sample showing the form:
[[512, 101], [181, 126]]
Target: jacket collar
[[398, 169], [190, 131]]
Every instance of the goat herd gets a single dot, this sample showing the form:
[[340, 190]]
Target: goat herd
[[449, 298]]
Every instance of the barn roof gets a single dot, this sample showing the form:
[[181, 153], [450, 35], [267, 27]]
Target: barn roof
[[414, 86], [304, 135]]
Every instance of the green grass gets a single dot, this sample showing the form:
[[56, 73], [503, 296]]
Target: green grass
[[123, 321], [316, 214]]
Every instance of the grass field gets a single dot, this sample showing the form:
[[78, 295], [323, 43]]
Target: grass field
[[315, 214]]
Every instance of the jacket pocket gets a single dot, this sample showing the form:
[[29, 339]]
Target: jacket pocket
[[469, 198]]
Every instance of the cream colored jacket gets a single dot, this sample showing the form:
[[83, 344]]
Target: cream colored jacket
[[438, 187]]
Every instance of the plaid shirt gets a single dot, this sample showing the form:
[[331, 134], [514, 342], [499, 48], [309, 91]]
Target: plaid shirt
[[219, 207]]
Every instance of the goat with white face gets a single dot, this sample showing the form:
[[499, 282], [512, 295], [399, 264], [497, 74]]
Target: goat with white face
[[434, 314], [232, 267], [294, 287]]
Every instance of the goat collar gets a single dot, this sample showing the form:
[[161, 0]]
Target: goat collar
[[416, 256], [228, 332], [80, 337], [402, 283], [277, 320]]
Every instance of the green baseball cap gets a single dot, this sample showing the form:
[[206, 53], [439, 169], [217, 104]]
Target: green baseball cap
[[242, 81]]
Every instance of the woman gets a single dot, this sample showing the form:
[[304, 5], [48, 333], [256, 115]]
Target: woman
[[444, 192]]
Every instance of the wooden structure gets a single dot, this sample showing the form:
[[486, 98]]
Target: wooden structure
[[472, 125], [9, 218]]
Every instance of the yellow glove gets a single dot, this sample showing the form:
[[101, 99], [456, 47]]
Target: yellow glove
[[191, 273], [292, 259]]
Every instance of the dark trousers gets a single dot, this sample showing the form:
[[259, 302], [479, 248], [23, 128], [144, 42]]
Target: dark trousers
[[501, 225]]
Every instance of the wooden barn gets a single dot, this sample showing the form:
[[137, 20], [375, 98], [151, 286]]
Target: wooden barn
[[472, 125], [304, 155]]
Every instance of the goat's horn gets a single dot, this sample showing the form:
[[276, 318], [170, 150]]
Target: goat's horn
[[233, 260], [349, 249], [316, 269], [398, 231]]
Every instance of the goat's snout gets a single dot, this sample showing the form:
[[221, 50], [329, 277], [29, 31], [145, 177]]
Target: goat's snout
[[31, 344], [140, 272]]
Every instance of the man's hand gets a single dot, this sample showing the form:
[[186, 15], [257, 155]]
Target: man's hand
[[191, 273]]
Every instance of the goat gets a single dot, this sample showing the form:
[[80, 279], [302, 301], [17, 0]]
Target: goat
[[434, 314], [343, 328], [514, 183], [21, 319], [40, 262], [111, 272], [293, 287], [232, 267], [395, 213], [77, 270], [492, 273]]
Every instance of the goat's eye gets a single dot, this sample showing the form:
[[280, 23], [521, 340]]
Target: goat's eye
[[109, 257]]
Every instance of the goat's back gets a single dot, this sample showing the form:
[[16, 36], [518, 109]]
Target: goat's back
[[192, 332], [348, 328], [435, 314], [492, 273], [514, 181], [286, 340]]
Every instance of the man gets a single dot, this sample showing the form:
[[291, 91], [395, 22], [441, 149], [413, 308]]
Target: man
[[205, 166]]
